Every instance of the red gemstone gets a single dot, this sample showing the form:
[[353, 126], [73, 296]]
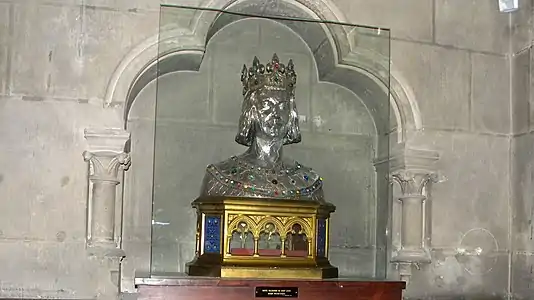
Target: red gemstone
[[276, 193], [276, 65]]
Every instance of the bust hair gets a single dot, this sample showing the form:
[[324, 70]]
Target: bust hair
[[249, 117]]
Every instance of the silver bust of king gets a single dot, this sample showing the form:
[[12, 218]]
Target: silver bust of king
[[269, 120]]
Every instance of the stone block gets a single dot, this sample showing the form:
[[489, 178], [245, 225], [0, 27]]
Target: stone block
[[322, 97], [312, 33], [522, 174], [411, 20], [531, 91], [137, 204], [165, 258], [49, 2], [5, 12], [359, 145], [57, 206], [440, 80], [47, 45], [227, 61], [521, 82], [4, 79], [461, 277], [139, 181], [62, 122], [183, 96], [475, 194], [171, 257], [472, 24], [522, 275], [136, 262], [33, 129], [337, 110], [35, 269], [5, 17], [140, 4], [372, 51], [109, 35], [144, 105], [178, 18], [16, 194], [490, 108], [353, 262], [521, 26], [287, 35]]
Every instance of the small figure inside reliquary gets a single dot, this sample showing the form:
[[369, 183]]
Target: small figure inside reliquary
[[269, 120]]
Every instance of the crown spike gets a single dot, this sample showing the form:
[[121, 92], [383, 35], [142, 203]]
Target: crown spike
[[275, 59], [256, 63], [244, 74], [290, 65]]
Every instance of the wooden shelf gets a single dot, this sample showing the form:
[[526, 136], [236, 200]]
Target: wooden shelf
[[241, 289]]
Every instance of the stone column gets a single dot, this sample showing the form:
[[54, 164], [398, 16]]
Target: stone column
[[414, 170], [412, 198], [107, 159]]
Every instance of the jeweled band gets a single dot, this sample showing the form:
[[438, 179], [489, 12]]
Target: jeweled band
[[273, 76]]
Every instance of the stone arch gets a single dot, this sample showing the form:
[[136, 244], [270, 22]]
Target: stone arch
[[337, 60]]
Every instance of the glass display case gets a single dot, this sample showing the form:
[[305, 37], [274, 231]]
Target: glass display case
[[342, 97]]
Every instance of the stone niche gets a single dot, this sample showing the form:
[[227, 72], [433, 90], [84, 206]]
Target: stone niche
[[194, 123]]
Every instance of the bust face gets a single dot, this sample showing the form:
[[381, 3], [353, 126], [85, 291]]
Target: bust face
[[273, 114]]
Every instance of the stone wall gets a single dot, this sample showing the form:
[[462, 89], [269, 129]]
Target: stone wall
[[521, 150], [454, 58]]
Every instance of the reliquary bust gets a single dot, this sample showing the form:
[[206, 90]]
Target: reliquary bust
[[269, 120]]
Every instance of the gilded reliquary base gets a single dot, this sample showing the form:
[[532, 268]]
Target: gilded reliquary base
[[262, 238]]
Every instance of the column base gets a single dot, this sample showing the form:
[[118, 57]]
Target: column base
[[418, 256]]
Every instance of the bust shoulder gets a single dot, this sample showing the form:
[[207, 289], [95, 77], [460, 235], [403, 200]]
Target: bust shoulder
[[237, 176]]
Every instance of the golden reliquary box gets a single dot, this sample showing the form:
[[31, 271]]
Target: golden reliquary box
[[262, 238]]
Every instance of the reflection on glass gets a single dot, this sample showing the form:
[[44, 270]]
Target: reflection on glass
[[270, 243], [242, 241], [296, 241]]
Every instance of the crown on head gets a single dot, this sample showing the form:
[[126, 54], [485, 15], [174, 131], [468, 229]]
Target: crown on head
[[273, 76]]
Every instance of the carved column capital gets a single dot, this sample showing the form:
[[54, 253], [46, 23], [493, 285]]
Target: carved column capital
[[106, 165], [412, 169], [413, 182], [106, 157], [106, 152]]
